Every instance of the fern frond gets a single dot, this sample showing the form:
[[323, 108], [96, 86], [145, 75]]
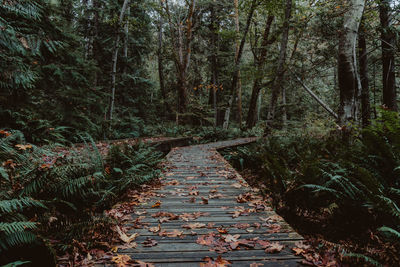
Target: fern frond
[[366, 259], [12, 205], [392, 232], [13, 227]]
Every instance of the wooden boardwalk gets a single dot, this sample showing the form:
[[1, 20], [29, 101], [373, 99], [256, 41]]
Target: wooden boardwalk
[[206, 209]]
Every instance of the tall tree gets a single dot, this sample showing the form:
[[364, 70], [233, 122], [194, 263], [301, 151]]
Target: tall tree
[[161, 65], [182, 37], [214, 26], [238, 58], [115, 58], [388, 40], [260, 62], [363, 58], [349, 80], [280, 69]]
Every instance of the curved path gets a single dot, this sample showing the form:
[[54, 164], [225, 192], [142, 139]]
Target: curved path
[[207, 210]]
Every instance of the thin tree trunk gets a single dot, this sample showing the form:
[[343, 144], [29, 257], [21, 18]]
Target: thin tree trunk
[[280, 70], [214, 63], [284, 112], [363, 57], [115, 59], [96, 46], [161, 66], [238, 57], [349, 82], [388, 40], [238, 83], [319, 100], [251, 115], [126, 29]]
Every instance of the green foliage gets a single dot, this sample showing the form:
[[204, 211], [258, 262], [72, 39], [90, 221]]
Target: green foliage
[[355, 186], [60, 193], [52, 82]]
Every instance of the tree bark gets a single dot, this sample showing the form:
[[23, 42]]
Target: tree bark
[[182, 44], [349, 82], [115, 59], [363, 62], [280, 70], [388, 40], [214, 63], [251, 115], [238, 58], [161, 66]]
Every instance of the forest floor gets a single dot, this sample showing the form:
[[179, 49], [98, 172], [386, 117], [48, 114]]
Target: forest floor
[[201, 212]]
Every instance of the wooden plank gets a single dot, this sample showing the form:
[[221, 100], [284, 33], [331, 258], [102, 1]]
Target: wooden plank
[[201, 166]]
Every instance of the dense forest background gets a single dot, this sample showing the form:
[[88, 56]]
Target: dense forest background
[[319, 78]]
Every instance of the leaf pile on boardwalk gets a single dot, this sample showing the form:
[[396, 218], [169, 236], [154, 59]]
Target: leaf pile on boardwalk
[[203, 213]]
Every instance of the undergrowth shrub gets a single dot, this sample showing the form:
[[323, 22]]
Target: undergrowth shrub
[[58, 193], [340, 190]]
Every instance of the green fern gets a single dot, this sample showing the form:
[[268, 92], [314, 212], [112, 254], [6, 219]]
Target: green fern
[[364, 258]]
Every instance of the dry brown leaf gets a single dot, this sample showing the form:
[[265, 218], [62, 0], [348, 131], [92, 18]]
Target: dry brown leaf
[[150, 242], [274, 248], [174, 233], [155, 229], [231, 238], [237, 185], [143, 264], [157, 204], [121, 260], [194, 226], [124, 237]]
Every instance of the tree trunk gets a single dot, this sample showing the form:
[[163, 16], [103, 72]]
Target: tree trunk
[[238, 84], [320, 101], [284, 113], [238, 57], [161, 66], [280, 70], [251, 115], [115, 59], [182, 44], [96, 45], [363, 58], [349, 82], [214, 64], [126, 39], [388, 40]]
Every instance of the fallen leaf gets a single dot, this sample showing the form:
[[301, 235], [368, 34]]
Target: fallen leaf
[[149, 242], [143, 264], [222, 230], [298, 251], [155, 229], [219, 262], [205, 200], [194, 193], [174, 233], [23, 147], [121, 260], [194, 226], [156, 205], [274, 248], [237, 185], [124, 237], [231, 238], [255, 264]]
